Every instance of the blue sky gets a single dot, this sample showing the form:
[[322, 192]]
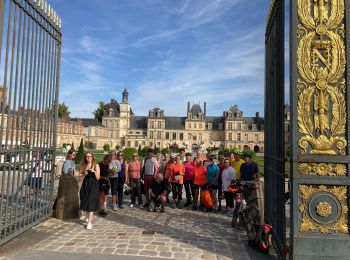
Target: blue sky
[[165, 52]]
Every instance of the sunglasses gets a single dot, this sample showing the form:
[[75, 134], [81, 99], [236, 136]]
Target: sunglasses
[[120, 154]]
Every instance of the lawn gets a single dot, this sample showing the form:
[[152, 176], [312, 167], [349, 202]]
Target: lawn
[[260, 161]]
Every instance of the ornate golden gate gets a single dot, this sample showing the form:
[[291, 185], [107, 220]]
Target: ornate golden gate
[[319, 132]]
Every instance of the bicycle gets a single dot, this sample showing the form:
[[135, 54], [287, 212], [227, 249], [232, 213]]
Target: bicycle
[[248, 215]]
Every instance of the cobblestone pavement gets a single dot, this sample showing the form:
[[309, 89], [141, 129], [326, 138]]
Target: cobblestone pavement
[[175, 234]]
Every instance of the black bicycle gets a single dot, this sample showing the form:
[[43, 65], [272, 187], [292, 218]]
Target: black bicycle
[[244, 212]]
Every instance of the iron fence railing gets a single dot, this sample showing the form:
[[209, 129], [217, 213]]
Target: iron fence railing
[[30, 43]]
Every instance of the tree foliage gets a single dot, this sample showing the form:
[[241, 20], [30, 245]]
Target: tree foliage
[[128, 152], [106, 147], [165, 151], [80, 154], [98, 112], [63, 110]]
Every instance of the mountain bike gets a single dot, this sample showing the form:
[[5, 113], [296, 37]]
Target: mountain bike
[[244, 212]]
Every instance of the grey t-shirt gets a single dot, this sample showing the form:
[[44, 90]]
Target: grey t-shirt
[[149, 166]]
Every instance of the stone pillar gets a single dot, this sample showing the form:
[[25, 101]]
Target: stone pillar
[[67, 206]]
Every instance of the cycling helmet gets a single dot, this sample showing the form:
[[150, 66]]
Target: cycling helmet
[[247, 154], [237, 151]]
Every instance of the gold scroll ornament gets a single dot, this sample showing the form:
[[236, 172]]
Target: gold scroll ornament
[[323, 209], [321, 82]]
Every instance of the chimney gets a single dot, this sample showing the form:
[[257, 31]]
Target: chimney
[[205, 108], [188, 106], [257, 117]]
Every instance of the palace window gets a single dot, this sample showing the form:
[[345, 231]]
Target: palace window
[[200, 137], [238, 137], [230, 136], [151, 124], [189, 136], [159, 124], [257, 138], [189, 125], [174, 136], [151, 134], [229, 126], [200, 126], [181, 136], [239, 126], [167, 135], [159, 134]]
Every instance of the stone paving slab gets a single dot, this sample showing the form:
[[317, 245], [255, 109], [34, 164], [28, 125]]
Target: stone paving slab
[[134, 232]]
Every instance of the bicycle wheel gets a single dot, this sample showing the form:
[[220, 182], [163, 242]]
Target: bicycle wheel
[[235, 215], [252, 222]]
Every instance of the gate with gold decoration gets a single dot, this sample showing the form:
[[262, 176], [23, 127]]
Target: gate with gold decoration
[[320, 150]]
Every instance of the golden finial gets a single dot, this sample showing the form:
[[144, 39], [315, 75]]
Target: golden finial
[[34, 1], [49, 11], [45, 7], [60, 23], [39, 3], [54, 16]]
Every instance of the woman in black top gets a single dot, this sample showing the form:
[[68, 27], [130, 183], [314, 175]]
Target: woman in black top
[[90, 173]]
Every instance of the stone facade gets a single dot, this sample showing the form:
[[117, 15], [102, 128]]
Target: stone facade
[[195, 131]]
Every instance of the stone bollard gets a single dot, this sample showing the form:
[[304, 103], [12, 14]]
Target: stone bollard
[[67, 206]]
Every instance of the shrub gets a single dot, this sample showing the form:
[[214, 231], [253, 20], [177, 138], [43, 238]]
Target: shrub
[[106, 147], [80, 154]]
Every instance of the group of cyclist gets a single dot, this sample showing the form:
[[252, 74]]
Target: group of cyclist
[[160, 177], [198, 173]]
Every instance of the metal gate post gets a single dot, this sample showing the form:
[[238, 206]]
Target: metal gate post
[[319, 59]]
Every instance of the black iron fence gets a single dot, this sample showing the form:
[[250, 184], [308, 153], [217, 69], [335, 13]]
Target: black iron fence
[[30, 43], [274, 125]]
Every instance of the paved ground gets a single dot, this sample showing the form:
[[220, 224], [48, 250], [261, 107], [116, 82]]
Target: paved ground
[[133, 233]]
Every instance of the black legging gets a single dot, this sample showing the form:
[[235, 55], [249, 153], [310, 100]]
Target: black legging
[[189, 190], [177, 191]]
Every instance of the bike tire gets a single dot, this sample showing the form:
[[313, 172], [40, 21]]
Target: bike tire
[[252, 222], [235, 216]]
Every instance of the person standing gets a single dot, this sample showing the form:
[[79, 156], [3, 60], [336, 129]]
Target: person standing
[[200, 180], [134, 170], [104, 184], [177, 182], [237, 162], [167, 173], [228, 174], [148, 173], [182, 154], [250, 172], [90, 173], [114, 169], [69, 164], [122, 178], [221, 166], [213, 173], [188, 179]]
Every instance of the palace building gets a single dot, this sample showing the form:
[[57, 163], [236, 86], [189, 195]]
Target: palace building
[[120, 126]]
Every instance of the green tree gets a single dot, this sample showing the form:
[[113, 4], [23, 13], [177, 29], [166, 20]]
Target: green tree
[[139, 150], [98, 112], [117, 147], [80, 154], [106, 147], [128, 152], [63, 110], [165, 151], [72, 147], [224, 152], [144, 151]]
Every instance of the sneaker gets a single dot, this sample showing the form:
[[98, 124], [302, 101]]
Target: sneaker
[[131, 205], [141, 206], [114, 207], [89, 226]]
